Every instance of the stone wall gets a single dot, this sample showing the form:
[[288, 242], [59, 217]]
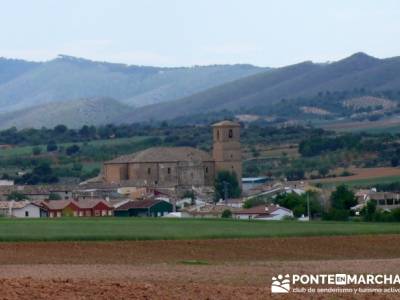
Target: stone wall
[[168, 174]]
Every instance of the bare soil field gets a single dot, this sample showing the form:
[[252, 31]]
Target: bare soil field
[[229, 269]]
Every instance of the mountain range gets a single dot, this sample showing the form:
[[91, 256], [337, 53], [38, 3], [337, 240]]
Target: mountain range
[[26, 84], [265, 89], [76, 91]]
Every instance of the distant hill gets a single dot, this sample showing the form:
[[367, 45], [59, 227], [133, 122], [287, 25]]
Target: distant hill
[[74, 114], [45, 94], [12, 68], [265, 89], [24, 84]]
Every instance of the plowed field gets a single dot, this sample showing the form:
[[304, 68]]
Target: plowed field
[[200, 269]]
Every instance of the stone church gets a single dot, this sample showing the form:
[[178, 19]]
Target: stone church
[[180, 167]]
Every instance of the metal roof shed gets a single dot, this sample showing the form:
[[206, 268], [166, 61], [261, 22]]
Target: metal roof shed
[[144, 208]]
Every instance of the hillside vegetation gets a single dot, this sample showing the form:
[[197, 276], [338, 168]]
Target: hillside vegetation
[[67, 78], [75, 113], [264, 90], [73, 91]]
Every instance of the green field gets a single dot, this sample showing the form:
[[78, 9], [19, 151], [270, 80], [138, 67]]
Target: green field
[[362, 183], [27, 150], [87, 229]]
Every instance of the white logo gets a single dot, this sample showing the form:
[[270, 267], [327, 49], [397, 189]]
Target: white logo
[[340, 279], [280, 284]]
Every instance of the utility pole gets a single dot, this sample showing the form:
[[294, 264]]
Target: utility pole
[[308, 206]]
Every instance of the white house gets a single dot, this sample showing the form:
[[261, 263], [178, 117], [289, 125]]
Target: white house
[[235, 203], [20, 209], [263, 212], [6, 182], [178, 215]]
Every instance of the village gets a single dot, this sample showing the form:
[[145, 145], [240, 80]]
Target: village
[[176, 182], [107, 201]]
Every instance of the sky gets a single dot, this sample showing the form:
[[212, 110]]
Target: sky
[[199, 32]]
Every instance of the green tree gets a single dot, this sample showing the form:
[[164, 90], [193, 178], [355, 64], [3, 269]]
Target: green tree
[[190, 194], [255, 201], [369, 211], [298, 203], [17, 196], [77, 166], [226, 214], [228, 179], [343, 198], [323, 171], [255, 152], [396, 214], [54, 196], [71, 150], [36, 150], [295, 174], [51, 146], [43, 173], [60, 129]]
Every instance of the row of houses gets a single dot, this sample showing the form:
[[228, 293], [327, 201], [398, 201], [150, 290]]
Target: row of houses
[[383, 200], [269, 212], [123, 201], [84, 208], [143, 208]]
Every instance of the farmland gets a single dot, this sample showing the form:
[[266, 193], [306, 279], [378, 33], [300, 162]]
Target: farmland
[[82, 165], [363, 177], [27, 150], [389, 125], [109, 229], [230, 268]]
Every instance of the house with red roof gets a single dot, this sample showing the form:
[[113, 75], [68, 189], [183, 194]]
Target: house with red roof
[[81, 208]]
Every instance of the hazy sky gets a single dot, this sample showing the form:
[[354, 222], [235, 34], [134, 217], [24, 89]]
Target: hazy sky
[[198, 32]]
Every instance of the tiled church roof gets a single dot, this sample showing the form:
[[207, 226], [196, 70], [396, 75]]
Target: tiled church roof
[[165, 154]]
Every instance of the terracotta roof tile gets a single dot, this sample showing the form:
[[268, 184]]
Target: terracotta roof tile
[[226, 123], [165, 154], [83, 204]]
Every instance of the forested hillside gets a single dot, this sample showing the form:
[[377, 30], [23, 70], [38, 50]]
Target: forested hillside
[[266, 89], [24, 84]]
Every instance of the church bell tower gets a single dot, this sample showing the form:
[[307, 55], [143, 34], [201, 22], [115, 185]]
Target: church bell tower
[[227, 152]]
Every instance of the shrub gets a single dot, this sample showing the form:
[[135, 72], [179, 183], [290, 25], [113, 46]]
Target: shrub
[[71, 150], [54, 196], [36, 151], [51, 146], [17, 196], [336, 215], [369, 211], [254, 202], [226, 214]]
